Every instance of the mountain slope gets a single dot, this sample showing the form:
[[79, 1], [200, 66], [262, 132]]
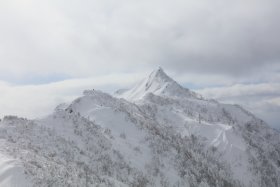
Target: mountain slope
[[156, 134]]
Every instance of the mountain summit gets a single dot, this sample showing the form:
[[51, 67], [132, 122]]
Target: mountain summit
[[157, 83], [160, 75]]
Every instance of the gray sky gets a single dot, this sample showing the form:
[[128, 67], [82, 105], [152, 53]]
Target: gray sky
[[51, 50]]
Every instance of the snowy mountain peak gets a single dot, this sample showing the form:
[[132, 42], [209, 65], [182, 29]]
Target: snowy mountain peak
[[157, 83], [160, 75]]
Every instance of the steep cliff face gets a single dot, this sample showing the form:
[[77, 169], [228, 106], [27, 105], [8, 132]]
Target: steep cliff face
[[155, 134]]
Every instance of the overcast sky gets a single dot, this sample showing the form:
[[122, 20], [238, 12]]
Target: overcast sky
[[51, 50]]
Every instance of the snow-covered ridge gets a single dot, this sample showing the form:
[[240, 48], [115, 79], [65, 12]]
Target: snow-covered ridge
[[156, 134]]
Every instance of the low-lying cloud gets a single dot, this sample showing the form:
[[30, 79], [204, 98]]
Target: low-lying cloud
[[261, 99], [34, 101]]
